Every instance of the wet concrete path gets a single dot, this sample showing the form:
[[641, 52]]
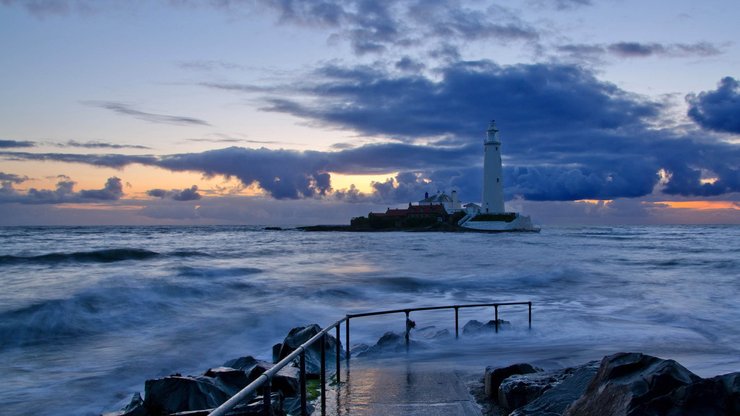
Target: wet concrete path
[[401, 389]]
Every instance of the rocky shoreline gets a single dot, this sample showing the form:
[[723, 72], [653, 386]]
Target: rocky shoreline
[[628, 384]]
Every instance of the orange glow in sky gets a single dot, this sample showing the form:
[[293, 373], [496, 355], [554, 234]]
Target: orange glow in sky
[[363, 183], [701, 205]]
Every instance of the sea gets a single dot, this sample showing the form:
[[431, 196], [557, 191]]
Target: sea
[[87, 314]]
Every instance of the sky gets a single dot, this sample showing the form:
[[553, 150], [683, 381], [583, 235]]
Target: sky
[[292, 112]]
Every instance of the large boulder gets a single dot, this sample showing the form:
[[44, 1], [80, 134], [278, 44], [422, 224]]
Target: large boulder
[[712, 396], [568, 386], [228, 380], [299, 335], [390, 342], [245, 363], [475, 327], [177, 393], [495, 375], [287, 379], [431, 333], [134, 408], [626, 382], [520, 389]]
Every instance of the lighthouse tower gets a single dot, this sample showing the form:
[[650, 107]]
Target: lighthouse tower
[[493, 179]]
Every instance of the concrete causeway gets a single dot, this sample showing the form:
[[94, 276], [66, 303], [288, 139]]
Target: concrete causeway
[[404, 388]]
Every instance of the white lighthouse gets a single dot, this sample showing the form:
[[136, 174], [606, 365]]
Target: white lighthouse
[[491, 216], [493, 179]]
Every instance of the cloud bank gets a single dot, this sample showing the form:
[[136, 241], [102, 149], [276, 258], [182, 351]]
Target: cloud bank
[[566, 136], [187, 194], [9, 144], [717, 110], [64, 193]]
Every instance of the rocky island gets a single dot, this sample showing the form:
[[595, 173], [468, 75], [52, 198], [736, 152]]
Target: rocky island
[[442, 212]]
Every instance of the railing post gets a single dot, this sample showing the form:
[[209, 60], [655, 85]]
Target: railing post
[[457, 325], [304, 397], [267, 398], [346, 338], [323, 374], [338, 352], [530, 315], [408, 330], [495, 308]]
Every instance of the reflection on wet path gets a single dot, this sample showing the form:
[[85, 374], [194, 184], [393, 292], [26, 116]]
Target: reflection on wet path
[[402, 387]]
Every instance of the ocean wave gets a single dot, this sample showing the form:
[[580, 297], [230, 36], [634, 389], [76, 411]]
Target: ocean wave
[[188, 253], [96, 310], [96, 256], [211, 272]]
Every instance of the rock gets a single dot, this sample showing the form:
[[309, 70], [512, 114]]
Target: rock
[[292, 406], [571, 384], [626, 382], [245, 363], [299, 335], [182, 393], [229, 380], [255, 407], [495, 375], [474, 327], [431, 333], [359, 349], [713, 396], [287, 379], [521, 389], [276, 352], [134, 408], [390, 342]]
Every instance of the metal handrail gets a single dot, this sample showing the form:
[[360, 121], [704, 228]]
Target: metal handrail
[[300, 352]]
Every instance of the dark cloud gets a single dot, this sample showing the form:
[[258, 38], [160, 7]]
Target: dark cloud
[[537, 97], [12, 178], [126, 109], [451, 20], [64, 193], [112, 191], [408, 64], [9, 144], [636, 49], [284, 174], [596, 52], [105, 160], [43, 8], [102, 145], [369, 26], [373, 26], [566, 135], [226, 139], [561, 4], [187, 194], [719, 109]]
